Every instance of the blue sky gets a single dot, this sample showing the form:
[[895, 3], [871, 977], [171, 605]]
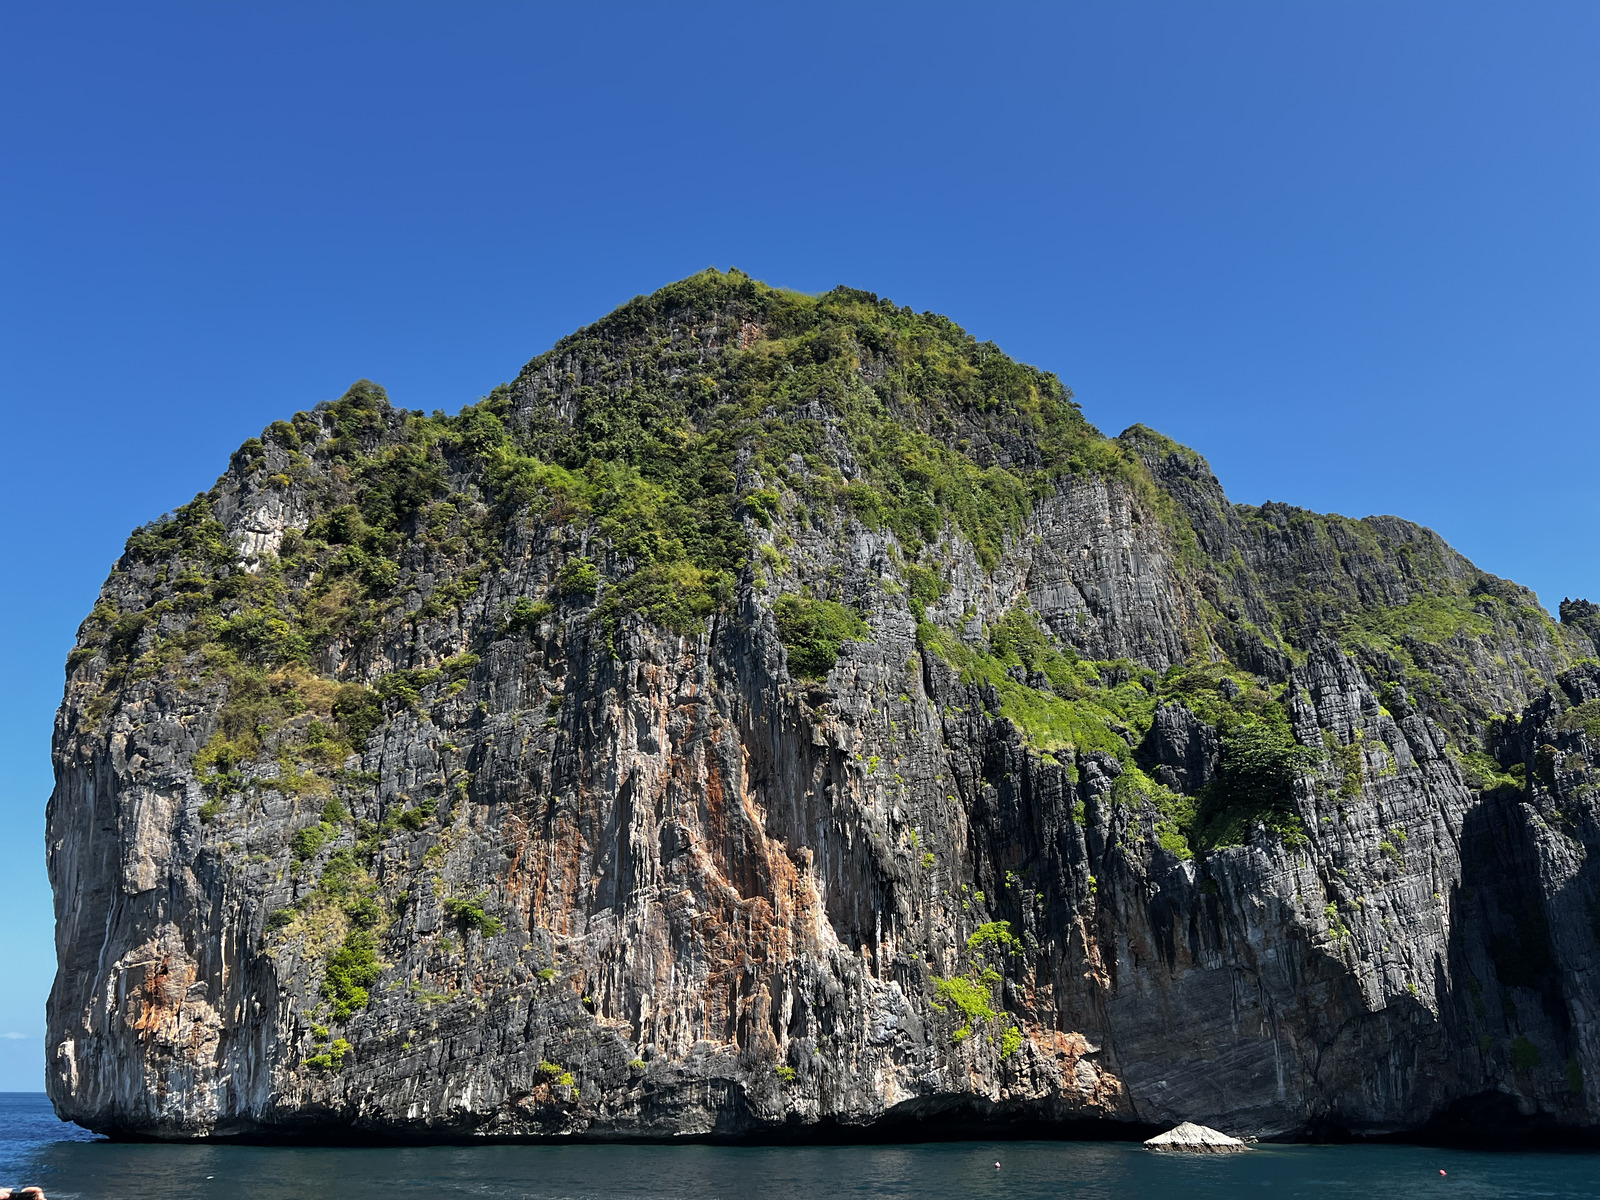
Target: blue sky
[[1347, 250]]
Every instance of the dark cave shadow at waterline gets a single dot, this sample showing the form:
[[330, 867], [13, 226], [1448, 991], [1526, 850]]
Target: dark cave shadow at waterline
[[903, 1130], [1485, 1121]]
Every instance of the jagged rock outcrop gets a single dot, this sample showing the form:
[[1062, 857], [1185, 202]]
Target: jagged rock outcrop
[[1189, 1138], [780, 716]]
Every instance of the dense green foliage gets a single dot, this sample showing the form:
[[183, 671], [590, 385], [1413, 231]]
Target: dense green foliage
[[813, 632], [1085, 703], [352, 969], [675, 384], [998, 935], [1109, 707], [970, 998], [1584, 716], [1255, 781], [1176, 814], [666, 430], [973, 994], [331, 1059], [1417, 615], [469, 913], [343, 910]]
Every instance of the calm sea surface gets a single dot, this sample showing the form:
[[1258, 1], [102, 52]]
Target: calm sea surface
[[67, 1163]]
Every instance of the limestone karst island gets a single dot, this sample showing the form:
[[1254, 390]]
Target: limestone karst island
[[785, 716]]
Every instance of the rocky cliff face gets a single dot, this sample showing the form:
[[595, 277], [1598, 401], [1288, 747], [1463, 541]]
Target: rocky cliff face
[[775, 716]]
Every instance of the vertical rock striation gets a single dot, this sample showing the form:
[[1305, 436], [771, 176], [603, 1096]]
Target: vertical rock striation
[[778, 716]]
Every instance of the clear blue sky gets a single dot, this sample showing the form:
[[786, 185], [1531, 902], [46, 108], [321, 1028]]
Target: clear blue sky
[[1347, 251]]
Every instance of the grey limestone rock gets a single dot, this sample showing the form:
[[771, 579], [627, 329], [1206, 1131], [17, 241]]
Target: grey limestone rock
[[643, 884]]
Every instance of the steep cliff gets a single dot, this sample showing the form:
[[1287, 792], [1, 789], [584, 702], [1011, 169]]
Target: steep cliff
[[777, 715]]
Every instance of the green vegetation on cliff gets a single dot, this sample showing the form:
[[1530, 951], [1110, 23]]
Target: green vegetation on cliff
[[814, 631], [670, 451], [652, 436], [786, 637], [1256, 774]]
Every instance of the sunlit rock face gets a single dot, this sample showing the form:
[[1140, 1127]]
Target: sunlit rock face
[[785, 716]]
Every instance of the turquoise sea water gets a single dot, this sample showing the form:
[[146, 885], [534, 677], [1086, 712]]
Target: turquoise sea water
[[37, 1148]]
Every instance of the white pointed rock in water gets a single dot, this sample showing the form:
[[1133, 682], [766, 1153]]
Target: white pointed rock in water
[[1196, 1139]]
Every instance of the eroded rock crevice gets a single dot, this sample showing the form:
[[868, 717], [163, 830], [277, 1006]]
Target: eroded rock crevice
[[450, 778]]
